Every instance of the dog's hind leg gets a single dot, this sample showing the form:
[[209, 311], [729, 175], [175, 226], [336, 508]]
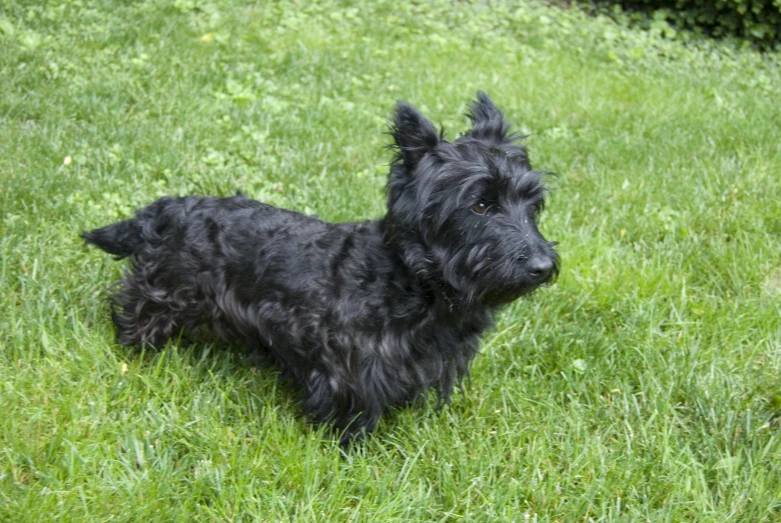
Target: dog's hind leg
[[149, 315], [140, 319]]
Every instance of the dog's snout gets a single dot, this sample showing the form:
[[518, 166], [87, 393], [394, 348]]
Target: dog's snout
[[540, 267]]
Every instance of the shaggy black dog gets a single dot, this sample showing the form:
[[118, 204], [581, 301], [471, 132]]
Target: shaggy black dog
[[361, 316]]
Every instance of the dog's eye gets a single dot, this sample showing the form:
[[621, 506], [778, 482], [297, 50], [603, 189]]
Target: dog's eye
[[480, 208]]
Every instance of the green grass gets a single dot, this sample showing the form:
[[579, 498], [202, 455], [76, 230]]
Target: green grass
[[644, 385]]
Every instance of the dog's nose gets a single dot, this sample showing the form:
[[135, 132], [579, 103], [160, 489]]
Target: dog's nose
[[539, 267]]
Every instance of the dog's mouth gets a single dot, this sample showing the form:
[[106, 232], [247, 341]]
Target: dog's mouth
[[508, 295], [477, 278], [528, 278]]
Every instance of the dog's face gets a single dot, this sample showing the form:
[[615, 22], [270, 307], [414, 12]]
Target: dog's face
[[465, 212]]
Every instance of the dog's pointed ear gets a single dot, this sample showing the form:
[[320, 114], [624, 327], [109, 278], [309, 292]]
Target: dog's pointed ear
[[413, 133], [487, 121]]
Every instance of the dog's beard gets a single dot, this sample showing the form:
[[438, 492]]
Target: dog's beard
[[489, 275]]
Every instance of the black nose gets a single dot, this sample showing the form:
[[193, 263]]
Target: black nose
[[539, 267]]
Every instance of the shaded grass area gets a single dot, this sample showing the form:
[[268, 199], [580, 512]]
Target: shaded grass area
[[644, 385]]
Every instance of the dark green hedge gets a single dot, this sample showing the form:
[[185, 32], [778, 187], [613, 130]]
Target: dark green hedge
[[758, 21]]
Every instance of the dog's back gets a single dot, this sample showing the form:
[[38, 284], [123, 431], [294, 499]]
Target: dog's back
[[165, 215], [196, 259]]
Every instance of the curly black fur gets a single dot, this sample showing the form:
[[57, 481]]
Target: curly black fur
[[362, 316]]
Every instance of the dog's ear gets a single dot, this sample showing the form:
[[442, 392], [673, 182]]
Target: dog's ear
[[413, 133], [487, 121]]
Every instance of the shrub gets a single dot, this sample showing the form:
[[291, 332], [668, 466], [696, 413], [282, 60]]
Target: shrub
[[757, 21]]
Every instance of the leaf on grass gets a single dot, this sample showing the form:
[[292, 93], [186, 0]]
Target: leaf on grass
[[6, 27]]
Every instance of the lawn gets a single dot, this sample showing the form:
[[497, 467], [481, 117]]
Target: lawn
[[644, 385]]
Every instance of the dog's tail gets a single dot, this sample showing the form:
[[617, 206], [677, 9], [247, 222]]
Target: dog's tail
[[120, 239]]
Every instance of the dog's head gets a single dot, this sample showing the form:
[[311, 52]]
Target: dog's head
[[464, 213]]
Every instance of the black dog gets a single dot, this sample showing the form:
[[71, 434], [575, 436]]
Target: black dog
[[362, 316]]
